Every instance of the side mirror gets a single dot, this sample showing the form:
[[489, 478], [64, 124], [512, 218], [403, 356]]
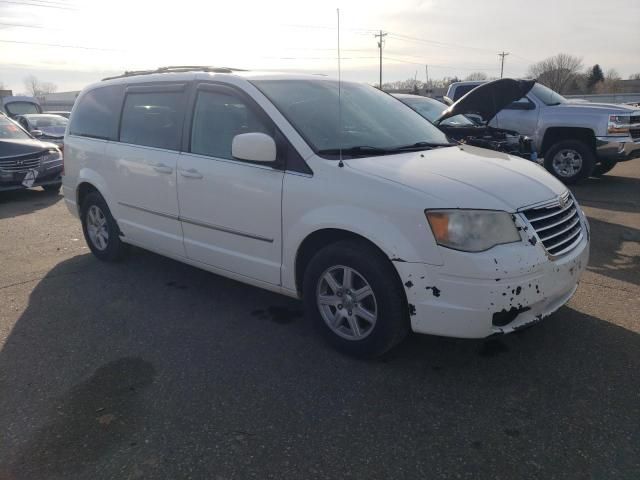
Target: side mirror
[[255, 147], [447, 100], [36, 133]]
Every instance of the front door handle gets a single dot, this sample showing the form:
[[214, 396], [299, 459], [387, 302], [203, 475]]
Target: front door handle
[[190, 173], [162, 168]]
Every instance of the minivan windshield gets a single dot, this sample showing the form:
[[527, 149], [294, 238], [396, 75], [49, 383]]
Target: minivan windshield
[[373, 122], [10, 131], [547, 96]]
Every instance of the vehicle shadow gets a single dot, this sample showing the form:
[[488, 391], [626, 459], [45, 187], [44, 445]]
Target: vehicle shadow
[[615, 251], [151, 368], [609, 192], [21, 202]]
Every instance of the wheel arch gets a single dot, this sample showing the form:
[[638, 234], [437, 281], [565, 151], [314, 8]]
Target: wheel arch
[[321, 238], [553, 135]]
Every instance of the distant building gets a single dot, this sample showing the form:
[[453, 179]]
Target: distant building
[[58, 101]]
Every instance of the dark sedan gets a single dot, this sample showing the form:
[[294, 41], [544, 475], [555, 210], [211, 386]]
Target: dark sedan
[[26, 161], [44, 126]]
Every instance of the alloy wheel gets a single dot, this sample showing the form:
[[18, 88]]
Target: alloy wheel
[[97, 228]]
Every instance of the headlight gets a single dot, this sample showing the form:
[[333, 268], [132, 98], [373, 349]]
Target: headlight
[[619, 125], [52, 155], [472, 230]]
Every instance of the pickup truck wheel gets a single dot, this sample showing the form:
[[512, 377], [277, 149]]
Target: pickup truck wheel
[[100, 229], [569, 160], [352, 294], [603, 167]]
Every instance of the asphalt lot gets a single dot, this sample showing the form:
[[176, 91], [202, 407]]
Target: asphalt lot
[[153, 369]]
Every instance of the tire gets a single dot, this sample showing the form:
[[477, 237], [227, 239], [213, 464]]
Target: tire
[[387, 302], [563, 152], [52, 187], [94, 211], [603, 167]]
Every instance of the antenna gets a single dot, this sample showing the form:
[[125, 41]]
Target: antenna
[[340, 164]]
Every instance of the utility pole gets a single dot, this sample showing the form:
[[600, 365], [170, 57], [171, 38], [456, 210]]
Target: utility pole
[[380, 43], [426, 73], [502, 55]]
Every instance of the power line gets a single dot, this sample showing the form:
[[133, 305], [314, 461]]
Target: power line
[[437, 43], [29, 4], [58, 45]]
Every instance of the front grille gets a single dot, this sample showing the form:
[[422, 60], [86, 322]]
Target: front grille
[[635, 133], [558, 227], [20, 164]]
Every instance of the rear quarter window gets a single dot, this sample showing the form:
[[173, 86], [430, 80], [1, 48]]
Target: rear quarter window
[[97, 113]]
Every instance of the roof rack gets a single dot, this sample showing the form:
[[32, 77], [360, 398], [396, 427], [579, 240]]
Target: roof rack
[[177, 69]]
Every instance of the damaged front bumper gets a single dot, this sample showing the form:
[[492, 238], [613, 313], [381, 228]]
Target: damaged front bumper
[[477, 295]]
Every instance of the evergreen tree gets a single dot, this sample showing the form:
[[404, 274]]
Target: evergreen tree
[[595, 76]]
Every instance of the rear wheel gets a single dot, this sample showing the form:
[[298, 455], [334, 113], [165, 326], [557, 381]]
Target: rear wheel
[[100, 229], [352, 293], [569, 160], [603, 167]]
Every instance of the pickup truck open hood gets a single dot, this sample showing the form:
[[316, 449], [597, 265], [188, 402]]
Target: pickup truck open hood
[[489, 98], [466, 177]]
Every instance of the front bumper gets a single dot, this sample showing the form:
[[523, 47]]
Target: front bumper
[[477, 295], [48, 174], [617, 149]]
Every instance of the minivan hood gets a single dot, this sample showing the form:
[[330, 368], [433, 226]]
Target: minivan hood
[[466, 177], [489, 98]]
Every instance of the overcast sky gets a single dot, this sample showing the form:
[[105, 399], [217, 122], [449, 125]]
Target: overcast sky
[[96, 38]]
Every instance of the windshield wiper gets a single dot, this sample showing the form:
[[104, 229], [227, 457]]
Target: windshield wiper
[[420, 146], [358, 151]]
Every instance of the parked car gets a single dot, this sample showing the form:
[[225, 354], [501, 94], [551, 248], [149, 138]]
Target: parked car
[[62, 113], [45, 126], [381, 226], [19, 105], [576, 139], [26, 161], [483, 103]]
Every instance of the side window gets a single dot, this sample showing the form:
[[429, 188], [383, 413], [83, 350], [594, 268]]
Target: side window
[[523, 104], [97, 113], [462, 90], [152, 119], [217, 118]]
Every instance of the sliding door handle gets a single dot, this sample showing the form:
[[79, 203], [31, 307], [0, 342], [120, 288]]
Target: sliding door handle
[[162, 168], [190, 173]]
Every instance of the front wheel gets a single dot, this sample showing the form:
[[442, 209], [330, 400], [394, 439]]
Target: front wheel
[[52, 187], [353, 294], [603, 167], [570, 161]]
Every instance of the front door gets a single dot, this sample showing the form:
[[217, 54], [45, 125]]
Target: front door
[[520, 116], [230, 209]]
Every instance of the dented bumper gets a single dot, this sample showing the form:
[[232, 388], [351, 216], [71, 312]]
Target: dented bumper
[[507, 288]]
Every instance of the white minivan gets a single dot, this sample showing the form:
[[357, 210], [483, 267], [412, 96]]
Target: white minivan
[[366, 211]]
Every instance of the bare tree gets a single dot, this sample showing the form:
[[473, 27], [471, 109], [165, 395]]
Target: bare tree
[[476, 76], [634, 76], [611, 82], [556, 72], [36, 88]]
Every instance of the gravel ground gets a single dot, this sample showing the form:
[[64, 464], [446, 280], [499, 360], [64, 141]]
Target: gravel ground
[[153, 369]]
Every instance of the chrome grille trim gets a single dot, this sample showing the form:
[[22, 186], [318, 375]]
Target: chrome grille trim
[[557, 226]]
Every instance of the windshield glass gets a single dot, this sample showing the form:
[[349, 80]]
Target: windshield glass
[[432, 109], [370, 117], [40, 121], [548, 96], [9, 130], [21, 108]]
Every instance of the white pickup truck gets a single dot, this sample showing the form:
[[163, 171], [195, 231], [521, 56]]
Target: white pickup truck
[[576, 139]]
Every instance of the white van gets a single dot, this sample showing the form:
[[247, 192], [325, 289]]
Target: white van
[[382, 226]]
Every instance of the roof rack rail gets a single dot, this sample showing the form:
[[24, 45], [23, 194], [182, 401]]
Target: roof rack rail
[[177, 69]]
